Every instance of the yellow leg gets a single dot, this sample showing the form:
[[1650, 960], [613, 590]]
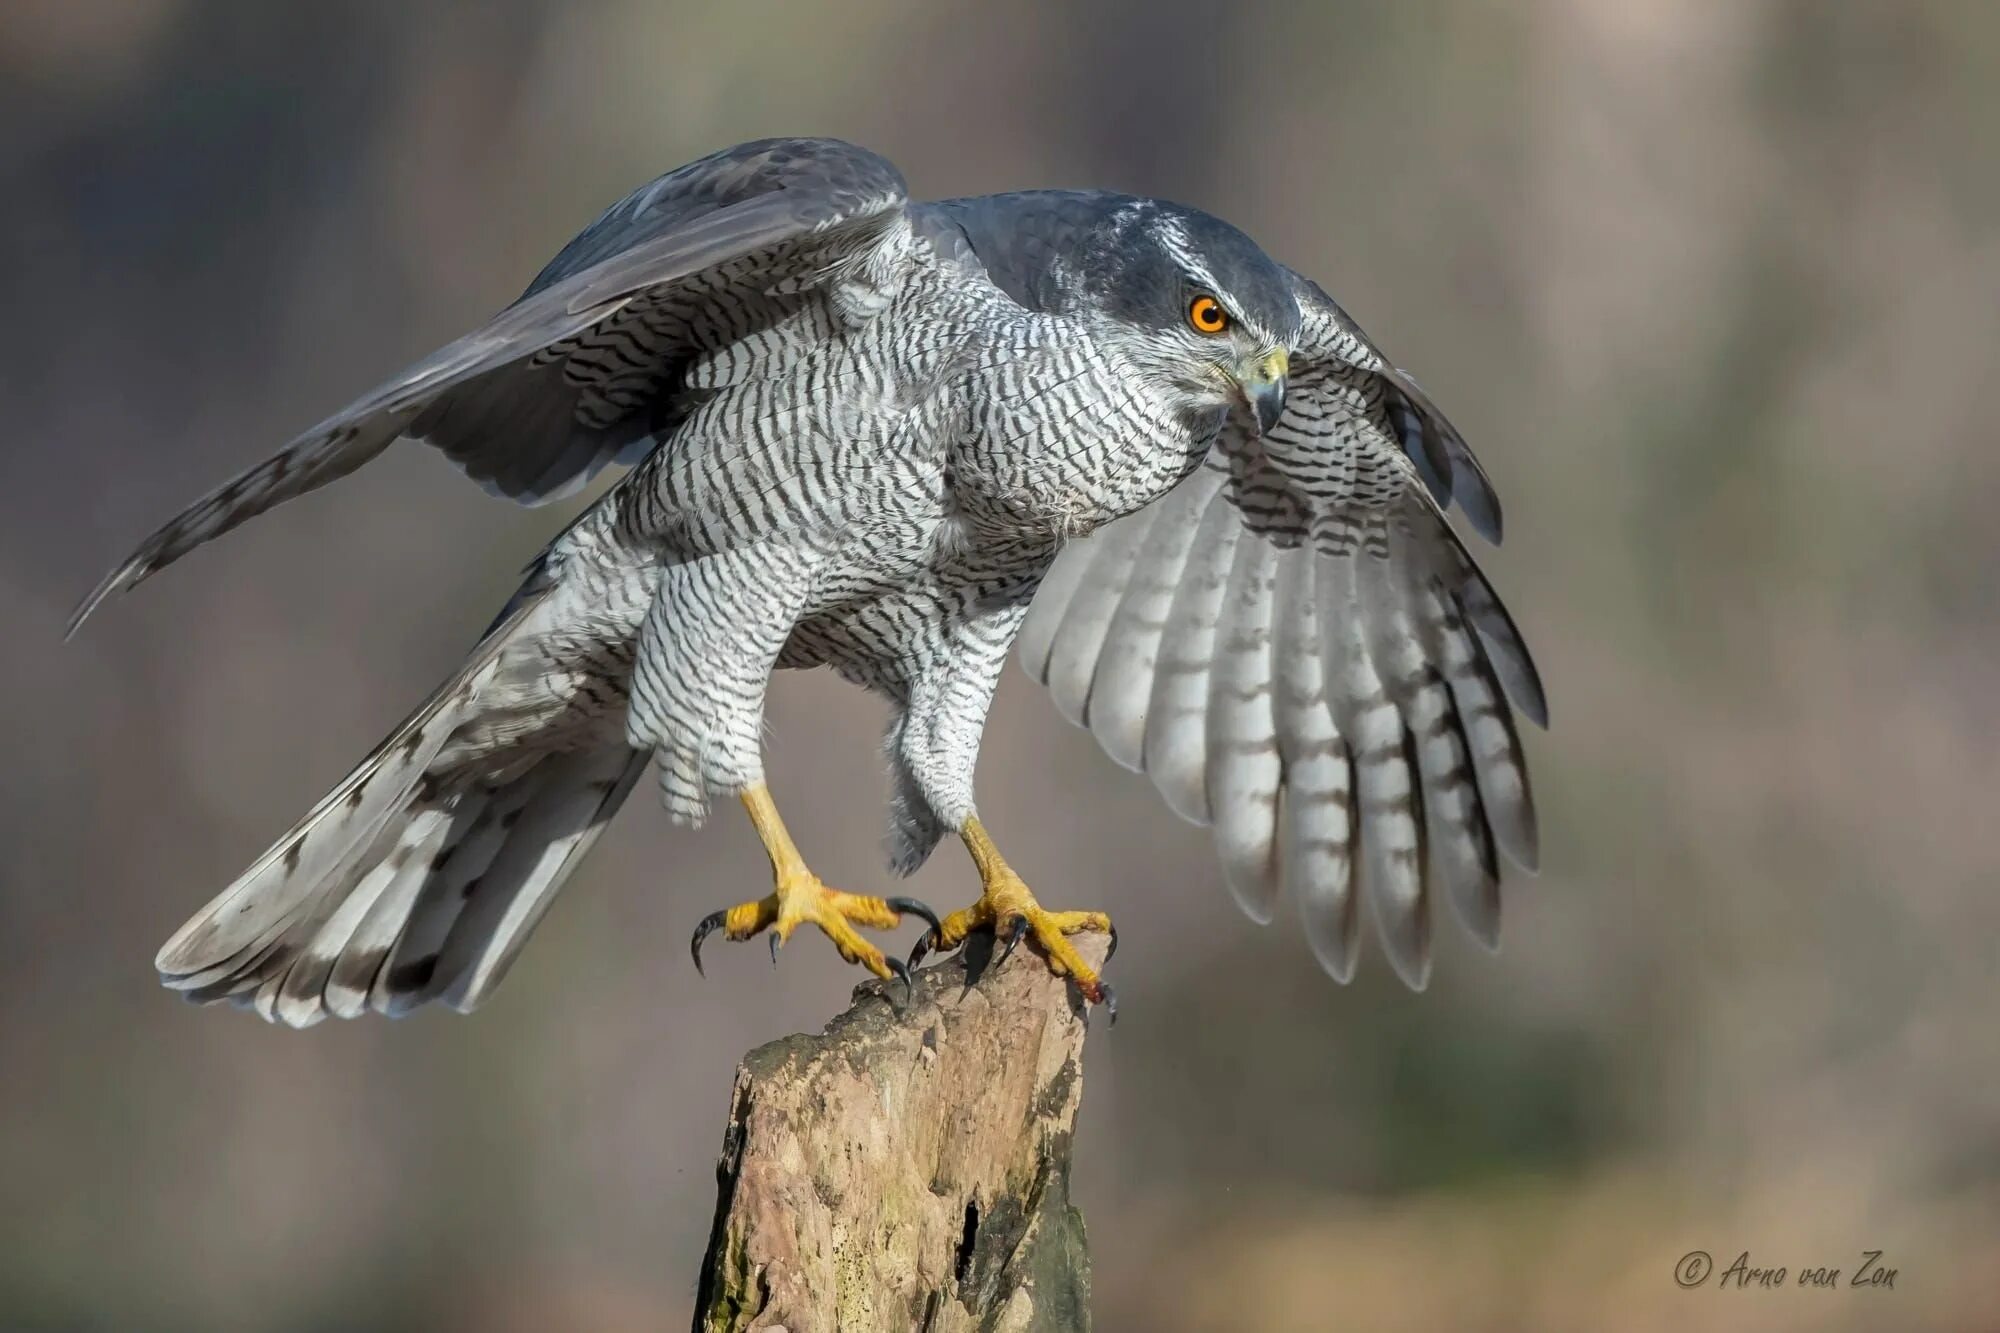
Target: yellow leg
[[799, 896], [1009, 910]]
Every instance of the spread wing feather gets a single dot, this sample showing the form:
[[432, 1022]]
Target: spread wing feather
[[1079, 640], [1120, 687], [1300, 652], [1176, 748], [573, 375], [1243, 769]]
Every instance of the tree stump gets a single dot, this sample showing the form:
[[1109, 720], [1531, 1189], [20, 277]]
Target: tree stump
[[908, 1168]]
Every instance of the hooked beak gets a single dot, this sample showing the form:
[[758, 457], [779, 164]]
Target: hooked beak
[[1262, 380]]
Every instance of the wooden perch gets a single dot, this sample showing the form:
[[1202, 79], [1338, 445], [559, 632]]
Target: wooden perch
[[908, 1169]]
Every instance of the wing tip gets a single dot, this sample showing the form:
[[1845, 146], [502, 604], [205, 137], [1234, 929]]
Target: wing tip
[[1525, 849], [1533, 703], [1407, 946], [122, 579], [1482, 511], [1335, 944], [1478, 910]]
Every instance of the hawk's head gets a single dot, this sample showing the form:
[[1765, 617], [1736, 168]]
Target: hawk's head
[[1196, 302], [1191, 301]]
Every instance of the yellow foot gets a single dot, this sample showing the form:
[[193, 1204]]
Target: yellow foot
[[1008, 908], [800, 896]]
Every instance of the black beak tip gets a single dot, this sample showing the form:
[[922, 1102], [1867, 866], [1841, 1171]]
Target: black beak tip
[[1269, 404]]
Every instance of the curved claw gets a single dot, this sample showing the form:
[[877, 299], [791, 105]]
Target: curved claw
[[1097, 993], [1013, 937], [916, 908], [902, 974], [1112, 949], [776, 943], [709, 925], [923, 948]]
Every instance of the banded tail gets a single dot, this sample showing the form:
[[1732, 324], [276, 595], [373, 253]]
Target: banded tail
[[418, 878]]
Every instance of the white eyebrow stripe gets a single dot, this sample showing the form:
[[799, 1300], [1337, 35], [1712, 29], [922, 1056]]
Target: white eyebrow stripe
[[1180, 247], [1175, 238]]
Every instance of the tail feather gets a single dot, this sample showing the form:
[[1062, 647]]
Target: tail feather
[[417, 878], [442, 908], [235, 980], [323, 851], [303, 999], [402, 978], [268, 899], [575, 800], [361, 954], [469, 918]]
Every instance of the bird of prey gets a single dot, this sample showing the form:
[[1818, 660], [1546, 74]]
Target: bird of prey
[[897, 439]]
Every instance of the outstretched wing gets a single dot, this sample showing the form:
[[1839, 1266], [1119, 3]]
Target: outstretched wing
[[570, 376], [1297, 648]]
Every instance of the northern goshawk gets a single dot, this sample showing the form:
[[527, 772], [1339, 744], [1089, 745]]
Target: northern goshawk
[[897, 438]]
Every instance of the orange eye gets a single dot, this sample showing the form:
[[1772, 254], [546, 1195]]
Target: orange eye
[[1206, 315]]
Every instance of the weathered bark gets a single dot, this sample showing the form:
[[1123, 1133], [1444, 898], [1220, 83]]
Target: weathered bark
[[909, 1168]]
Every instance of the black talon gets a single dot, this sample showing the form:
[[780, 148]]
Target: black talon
[[915, 908], [709, 925], [902, 975], [923, 948], [1113, 928], [775, 942], [1106, 997], [1014, 933]]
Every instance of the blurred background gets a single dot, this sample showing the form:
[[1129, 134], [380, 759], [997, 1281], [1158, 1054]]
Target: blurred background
[[1713, 287]]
